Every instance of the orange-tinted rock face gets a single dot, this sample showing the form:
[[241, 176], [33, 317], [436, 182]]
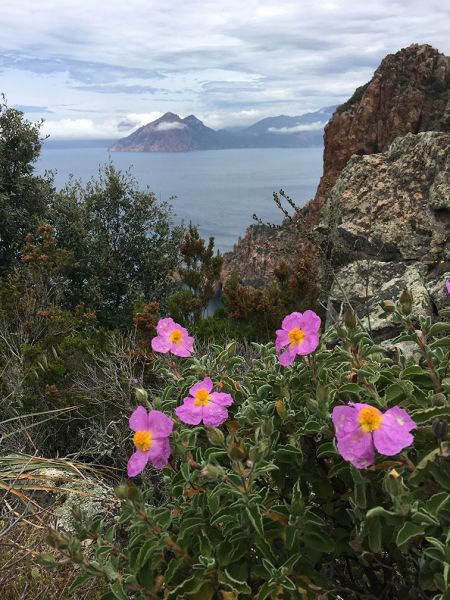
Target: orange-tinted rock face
[[409, 93]]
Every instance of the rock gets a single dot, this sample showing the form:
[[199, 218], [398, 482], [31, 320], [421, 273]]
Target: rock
[[91, 495], [438, 292], [388, 219], [394, 205], [366, 283], [408, 93]]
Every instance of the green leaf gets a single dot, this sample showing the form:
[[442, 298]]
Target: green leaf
[[79, 581], [374, 534], [263, 390], [441, 343], [255, 518], [118, 591], [174, 566], [419, 471], [394, 392], [350, 388], [145, 552], [408, 532], [188, 587], [438, 328], [326, 449], [426, 415], [241, 587]]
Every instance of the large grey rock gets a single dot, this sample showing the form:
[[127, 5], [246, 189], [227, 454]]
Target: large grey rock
[[387, 221], [366, 283]]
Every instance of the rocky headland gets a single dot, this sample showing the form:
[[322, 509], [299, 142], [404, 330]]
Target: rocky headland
[[381, 214]]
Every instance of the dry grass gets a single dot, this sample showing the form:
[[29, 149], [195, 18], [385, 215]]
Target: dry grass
[[26, 501]]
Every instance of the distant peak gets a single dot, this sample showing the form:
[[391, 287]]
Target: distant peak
[[169, 116], [192, 119]]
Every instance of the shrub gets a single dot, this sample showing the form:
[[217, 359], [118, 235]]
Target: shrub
[[265, 506]]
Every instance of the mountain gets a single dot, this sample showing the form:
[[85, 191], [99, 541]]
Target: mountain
[[170, 133]]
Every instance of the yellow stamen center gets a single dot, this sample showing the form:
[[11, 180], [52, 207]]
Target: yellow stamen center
[[370, 419], [143, 440], [202, 398], [176, 337], [296, 336]]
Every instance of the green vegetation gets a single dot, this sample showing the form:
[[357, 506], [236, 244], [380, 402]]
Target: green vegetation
[[263, 506]]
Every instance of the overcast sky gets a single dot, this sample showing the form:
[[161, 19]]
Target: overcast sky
[[97, 68]]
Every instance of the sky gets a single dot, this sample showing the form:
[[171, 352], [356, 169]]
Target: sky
[[100, 69]]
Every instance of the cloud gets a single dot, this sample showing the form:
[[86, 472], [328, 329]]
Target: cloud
[[110, 129], [29, 108], [169, 125], [229, 63], [316, 126]]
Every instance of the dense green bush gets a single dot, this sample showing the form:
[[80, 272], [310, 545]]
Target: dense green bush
[[123, 244], [265, 507]]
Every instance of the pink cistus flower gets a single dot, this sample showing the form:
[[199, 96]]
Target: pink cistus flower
[[299, 334], [152, 430], [204, 405], [172, 338], [447, 285], [361, 429]]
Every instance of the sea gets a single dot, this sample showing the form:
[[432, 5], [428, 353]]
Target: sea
[[218, 190]]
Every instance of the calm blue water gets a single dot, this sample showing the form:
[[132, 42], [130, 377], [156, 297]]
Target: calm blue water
[[218, 190]]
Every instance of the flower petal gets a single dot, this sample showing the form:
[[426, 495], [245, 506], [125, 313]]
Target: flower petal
[[160, 452], [287, 357], [160, 344], [291, 321], [214, 414], [139, 419], [184, 349], [137, 463], [393, 435], [345, 420], [204, 384], [188, 412], [166, 326], [357, 449], [222, 399], [353, 444], [159, 424], [308, 345], [310, 322], [282, 339]]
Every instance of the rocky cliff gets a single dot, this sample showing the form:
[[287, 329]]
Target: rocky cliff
[[388, 218], [409, 93]]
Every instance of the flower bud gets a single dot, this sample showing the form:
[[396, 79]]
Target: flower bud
[[47, 560], [126, 491], [439, 427], [211, 471], [394, 483], [279, 406], [141, 395], [388, 306], [350, 319], [215, 436], [405, 301]]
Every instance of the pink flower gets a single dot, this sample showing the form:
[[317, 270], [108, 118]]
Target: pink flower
[[300, 333], [448, 286], [151, 432], [360, 429], [204, 405], [172, 338]]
